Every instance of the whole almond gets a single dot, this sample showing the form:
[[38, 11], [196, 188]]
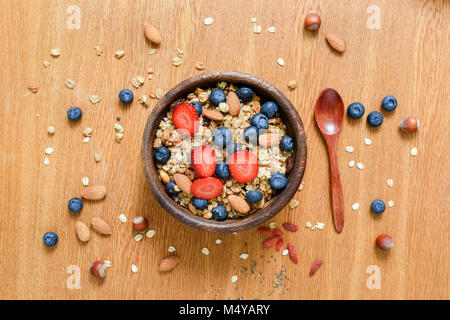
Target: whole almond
[[234, 105], [168, 263], [267, 140], [164, 176], [101, 226], [94, 193], [213, 115], [183, 182], [238, 204], [83, 232], [152, 34], [336, 42]]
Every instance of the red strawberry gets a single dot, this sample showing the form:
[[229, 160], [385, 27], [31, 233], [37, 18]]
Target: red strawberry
[[207, 188], [243, 166], [185, 117], [203, 161]]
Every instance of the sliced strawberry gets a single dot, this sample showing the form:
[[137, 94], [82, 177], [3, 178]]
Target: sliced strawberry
[[203, 161], [207, 188], [243, 166], [185, 117]]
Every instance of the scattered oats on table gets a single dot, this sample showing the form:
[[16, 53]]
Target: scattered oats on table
[[257, 29], [55, 52], [70, 84], [208, 21], [46, 64], [85, 181], [153, 51], [351, 164], [234, 278], [49, 150], [349, 149], [46, 161], [390, 182], [271, 29], [144, 101], [87, 132], [360, 166], [244, 256], [390, 203], [292, 85], [293, 203], [86, 139], [171, 249], [94, 99], [218, 241], [272, 225], [159, 93], [97, 157], [176, 61], [98, 51], [200, 66], [122, 218], [150, 233], [355, 206], [280, 61], [285, 252], [205, 251], [367, 141], [51, 130], [119, 137], [414, 152], [119, 53], [134, 268], [138, 237], [253, 20]]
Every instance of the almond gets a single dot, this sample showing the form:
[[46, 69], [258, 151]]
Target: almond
[[238, 204], [101, 226], [337, 42], [83, 232], [213, 115], [94, 193], [234, 105], [168, 263], [268, 140], [152, 34], [183, 182]]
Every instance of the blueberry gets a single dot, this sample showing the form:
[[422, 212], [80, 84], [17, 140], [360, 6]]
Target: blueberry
[[389, 103], [245, 94], [75, 204], [220, 213], [355, 110], [270, 109], [287, 143], [217, 96], [162, 154], [260, 121], [254, 196], [251, 135], [375, 119], [222, 137], [50, 239], [126, 96], [222, 170], [74, 113], [234, 147], [378, 206], [278, 181], [170, 189], [198, 107], [200, 203]]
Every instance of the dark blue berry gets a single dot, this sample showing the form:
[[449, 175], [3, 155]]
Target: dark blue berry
[[162, 154], [378, 206], [260, 121], [222, 170], [375, 119], [234, 147], [50, 239], [355, 110], [217, 96], [270, 109], [251, 135], [278, 181], [254, 196], [75, 204], [200, 203], [126, 96], [74, 113], [287, 143], [170, 189], [220, 213], [222, 137], [389, 103], [245, 94], [198, 107]]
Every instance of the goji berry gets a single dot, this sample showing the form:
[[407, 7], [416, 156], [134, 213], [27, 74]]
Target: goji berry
[[279, 244], [315, 266], [270, 242], [277, 232], [292, 253], [290, 226], [264, 230]]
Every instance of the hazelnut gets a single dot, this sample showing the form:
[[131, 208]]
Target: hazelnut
[[384, 242], [98, 269], [312, 21], [409, 124], [140, 224]]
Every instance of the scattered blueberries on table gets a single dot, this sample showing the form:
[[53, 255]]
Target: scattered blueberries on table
[[260, 121], [74, 113], [198, 107], [254, 196], [200, 203], [389, 103], [219, 213], [245, 94], [356, 110], [287, 143], [50, 239], [278, 181], [162, 154], [222, 137], [269, 109], [170, 189], [217, 96], [126, 96], [251, 135], [75, 204], [378, 206], [222, 170], [375, 119]]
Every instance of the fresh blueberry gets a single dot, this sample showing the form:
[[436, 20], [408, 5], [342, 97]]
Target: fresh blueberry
[[220, 213], [254, 196], [222, 137], [251, 135], [74, 113], [378, 206], [287, 143], [222, 170], [375, 119], [200, 203], [217, 96], [270, 109], [234, 147], [126, 96], [389, 103], [50, 239], [260, 121], [355, 110], [170, 189], [245, 94], [198, 107], [75, 204], [278, 181], [162, 154]]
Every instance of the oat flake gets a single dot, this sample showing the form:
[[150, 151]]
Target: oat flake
[[46, 64], [69, 83], [159, 93], [257, 29], [414, 152], [349, 149], [153, 51], [208, 21], [122, 218], [355, 206], [138, 237], [280, 61], [272, 225], [55, 52], [95, 99], [107, 263], [205, 251], [244, 256], [271, 29], [367, 141], [285, 252], [234, 278], [86, 139], [218, 241], [85, 181], [150, 233], [293, 203], [134, 268], [390, 203], [49, 150], [351, 164], [360, 166], [253, 20], [97, 157], [171, 249], [46, 161], [51, 130], [390, 182], [119, 53]]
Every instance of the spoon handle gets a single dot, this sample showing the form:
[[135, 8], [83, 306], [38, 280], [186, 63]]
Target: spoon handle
[[337, 198]]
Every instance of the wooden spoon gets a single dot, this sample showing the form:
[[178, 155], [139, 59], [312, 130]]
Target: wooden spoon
[[329, 114]]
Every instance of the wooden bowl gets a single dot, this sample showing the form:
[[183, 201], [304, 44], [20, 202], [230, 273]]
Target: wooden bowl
[[266, 92]]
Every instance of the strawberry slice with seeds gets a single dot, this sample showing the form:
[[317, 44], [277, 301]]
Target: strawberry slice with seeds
[[207, 188], [203, 161], [185, 118], [243, 166]]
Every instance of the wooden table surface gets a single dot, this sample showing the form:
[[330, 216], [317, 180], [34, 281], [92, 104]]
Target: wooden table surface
[[407, 57]]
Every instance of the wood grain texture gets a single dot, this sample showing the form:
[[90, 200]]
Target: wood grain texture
[[408, 57]]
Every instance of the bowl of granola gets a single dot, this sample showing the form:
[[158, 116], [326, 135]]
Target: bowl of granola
[[224, 151]]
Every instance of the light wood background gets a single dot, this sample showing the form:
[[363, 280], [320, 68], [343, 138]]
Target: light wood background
[[408, 57]]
